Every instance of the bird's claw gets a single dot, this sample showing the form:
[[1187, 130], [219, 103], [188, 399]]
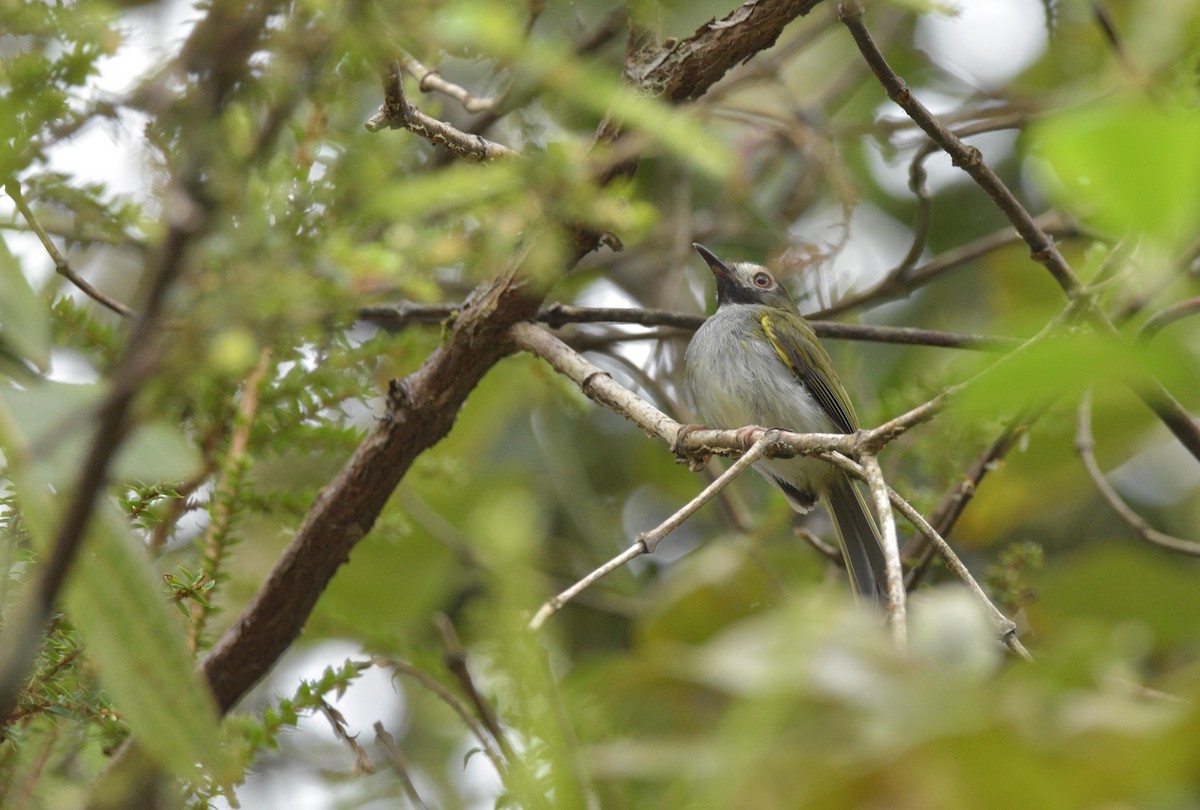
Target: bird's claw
[[695, 460]]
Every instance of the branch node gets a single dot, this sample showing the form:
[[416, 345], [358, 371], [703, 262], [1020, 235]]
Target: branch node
[[969, 159], [586, 385], [426, 77], [611, 241], [398, 395]]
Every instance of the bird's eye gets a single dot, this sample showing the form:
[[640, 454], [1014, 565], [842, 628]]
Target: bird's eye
[[763, 280]]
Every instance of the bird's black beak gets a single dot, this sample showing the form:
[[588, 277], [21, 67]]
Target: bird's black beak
[[718, 267]]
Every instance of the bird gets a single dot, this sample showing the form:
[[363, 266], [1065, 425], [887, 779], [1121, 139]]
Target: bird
[[757, 361]]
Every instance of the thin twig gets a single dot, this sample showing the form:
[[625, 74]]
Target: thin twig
[[452, 700], [647, 542], [891, 550], [456, 662], [594, 382], [397, 112], [1042, 248], [399, 765], [61, 265], [362, 763], [967, 158], [917, 177], [1085, 445], [559, 315], [508, 764], [431, 81], [827, 551], [1169, 315], [892, 286], [1006, 628], [953, 504], [518, 94]]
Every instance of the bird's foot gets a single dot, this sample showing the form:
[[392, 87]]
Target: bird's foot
[[749, 434], [695, 459]]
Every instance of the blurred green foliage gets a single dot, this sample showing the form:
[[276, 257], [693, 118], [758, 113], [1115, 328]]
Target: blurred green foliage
[[728, 671]]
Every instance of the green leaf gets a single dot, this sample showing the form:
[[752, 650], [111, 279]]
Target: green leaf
[[145, 666], [156, 452], [1125, 165], [24, 321], [1064, 365], [54, 419], [113, 597]]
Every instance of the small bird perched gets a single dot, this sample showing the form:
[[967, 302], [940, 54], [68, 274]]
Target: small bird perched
[[757, 361]]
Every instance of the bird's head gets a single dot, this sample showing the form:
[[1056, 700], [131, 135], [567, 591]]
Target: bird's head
[[745, 282]]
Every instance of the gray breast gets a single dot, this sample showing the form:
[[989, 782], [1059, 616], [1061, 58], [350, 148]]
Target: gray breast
[[735, 378]]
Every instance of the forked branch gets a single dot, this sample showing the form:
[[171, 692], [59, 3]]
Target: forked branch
[[752, 444]]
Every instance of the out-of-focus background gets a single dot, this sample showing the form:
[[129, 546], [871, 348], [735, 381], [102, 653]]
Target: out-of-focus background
[[730, 669]]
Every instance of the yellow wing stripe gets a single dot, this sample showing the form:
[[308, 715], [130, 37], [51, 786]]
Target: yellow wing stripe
[[773, 339], [830, 397]]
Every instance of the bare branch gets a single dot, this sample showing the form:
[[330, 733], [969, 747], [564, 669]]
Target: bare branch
[[430, 81], [827, 551], [456, 662], [399, 765], [916, 182], [452, 700], [967, 158], [647, 542], [1004, 626], [1042, 247], [893, 286], [896, 608], [953, 504], [397, 112], [362, 763], [559, 315], [1169, 315], [61, 265], [596, 384], [1085, 445]]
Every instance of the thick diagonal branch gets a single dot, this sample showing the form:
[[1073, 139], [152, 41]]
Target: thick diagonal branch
[[422, 409]]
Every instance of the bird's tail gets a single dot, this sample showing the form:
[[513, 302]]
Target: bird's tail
[[862, 547]]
